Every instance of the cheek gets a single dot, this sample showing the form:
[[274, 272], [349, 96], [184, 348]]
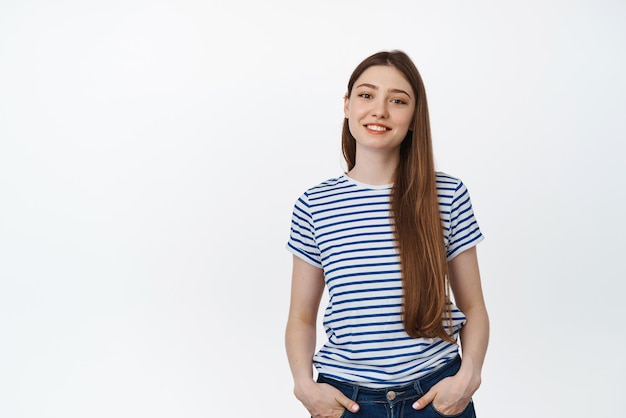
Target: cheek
[[407, 119], [352, 125], [352, 112]]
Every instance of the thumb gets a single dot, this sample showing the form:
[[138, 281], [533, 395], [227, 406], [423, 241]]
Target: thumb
[[347, 403], [424, 400]]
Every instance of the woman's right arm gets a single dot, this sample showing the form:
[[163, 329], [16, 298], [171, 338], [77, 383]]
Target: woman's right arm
[[307, 286]]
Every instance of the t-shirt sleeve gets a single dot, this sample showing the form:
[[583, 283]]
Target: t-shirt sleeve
[[464, 232], [302, 237]]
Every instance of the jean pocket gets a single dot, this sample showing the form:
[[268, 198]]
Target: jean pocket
[[468, 412], [344, 414]]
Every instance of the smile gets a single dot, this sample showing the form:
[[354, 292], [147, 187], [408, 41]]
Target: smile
[[378, 128]]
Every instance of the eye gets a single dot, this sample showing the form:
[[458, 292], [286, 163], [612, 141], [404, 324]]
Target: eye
[[398, 101], [365, 95]]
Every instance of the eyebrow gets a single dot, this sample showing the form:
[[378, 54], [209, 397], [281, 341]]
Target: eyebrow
[[371, 86]]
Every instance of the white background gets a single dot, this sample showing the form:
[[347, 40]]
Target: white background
[[151, 152]]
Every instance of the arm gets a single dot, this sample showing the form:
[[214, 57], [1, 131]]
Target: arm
[[468, 295], [454, 393], [307, 286]]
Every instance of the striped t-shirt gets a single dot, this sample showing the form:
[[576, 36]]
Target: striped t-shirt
[[344, 227]]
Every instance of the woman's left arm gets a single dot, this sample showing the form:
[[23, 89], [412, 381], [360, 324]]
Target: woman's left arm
[[452, 395], [468, 296]]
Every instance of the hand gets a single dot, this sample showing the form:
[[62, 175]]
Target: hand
[[324, 401], [450, 396]]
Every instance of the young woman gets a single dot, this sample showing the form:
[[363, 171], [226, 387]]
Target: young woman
[[388, 239]]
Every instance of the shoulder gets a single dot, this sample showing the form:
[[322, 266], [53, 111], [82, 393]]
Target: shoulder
[[321, 189], [448, 185], [326, 186], [451, 191]]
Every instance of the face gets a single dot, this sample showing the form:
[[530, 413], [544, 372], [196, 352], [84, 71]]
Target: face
[[380, 109]]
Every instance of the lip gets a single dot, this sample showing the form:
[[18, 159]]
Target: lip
[[376, 131]]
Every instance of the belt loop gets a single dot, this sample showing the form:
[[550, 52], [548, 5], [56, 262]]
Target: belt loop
[[355, 392], [418, 388]]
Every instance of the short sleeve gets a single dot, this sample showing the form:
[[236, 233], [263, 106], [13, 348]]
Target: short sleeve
[[302, 241], [464, 232]]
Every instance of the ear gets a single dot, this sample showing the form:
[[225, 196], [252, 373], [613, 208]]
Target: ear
[[346, 105]]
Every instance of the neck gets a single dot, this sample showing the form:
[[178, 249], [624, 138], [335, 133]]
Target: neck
[[374, 168]]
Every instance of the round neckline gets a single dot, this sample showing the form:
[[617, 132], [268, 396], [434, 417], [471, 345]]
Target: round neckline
[[368, 186]]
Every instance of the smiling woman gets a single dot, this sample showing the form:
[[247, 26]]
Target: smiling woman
[[387, 239], [379, 112]]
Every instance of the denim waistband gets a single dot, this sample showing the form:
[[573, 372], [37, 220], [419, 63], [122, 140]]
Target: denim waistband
[[398, 392]]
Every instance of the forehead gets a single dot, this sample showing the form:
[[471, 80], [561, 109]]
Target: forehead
[[384, 77]]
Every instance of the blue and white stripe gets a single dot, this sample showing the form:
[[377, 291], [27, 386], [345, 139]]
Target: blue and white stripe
[[344, 227]]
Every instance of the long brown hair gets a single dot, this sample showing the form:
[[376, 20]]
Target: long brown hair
[[414, 209]]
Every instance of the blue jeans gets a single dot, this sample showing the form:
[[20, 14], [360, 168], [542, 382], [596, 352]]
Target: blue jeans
[[397, 401]]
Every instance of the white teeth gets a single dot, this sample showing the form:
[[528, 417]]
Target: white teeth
[[376, 128]]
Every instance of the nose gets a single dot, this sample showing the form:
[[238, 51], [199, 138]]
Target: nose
[[379, 109]]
